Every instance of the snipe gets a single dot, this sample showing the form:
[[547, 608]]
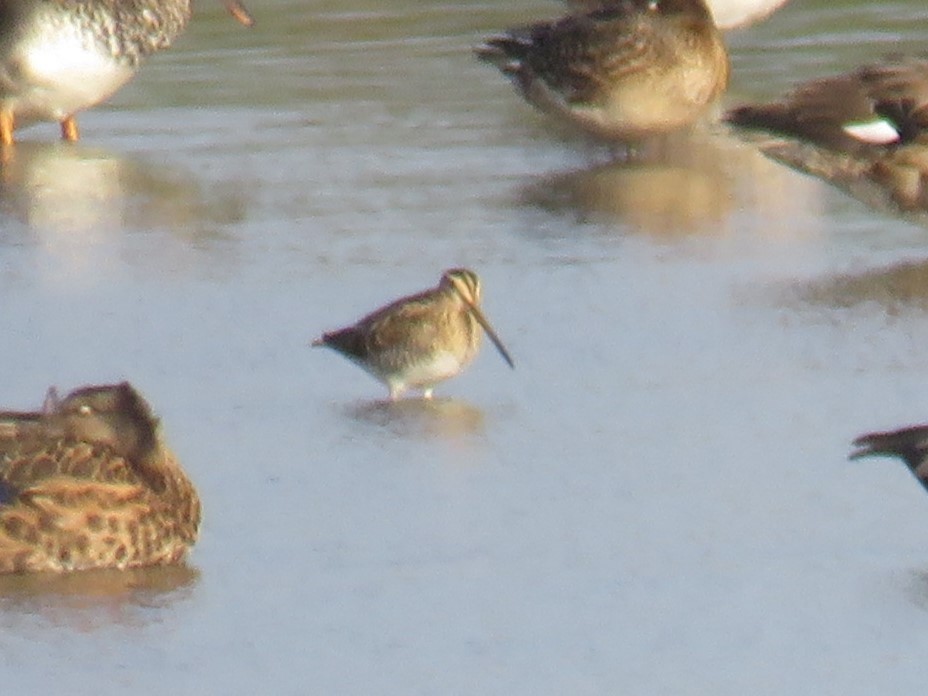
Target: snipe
[[87, 482], [420, 340], [620, 69], [59, 57]]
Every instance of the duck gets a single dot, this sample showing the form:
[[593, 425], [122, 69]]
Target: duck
[[868, 110], [909, 444], [88, 482], [866, 127], [60, 57], [621, 70], [419, 340]]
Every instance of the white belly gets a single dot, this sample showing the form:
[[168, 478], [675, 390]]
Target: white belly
[[49, 76]]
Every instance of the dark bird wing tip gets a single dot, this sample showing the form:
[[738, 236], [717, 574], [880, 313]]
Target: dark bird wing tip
[[491, 53], [868, 445], [502, 50]]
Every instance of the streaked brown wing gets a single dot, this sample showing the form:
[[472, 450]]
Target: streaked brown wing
[[581, 54], [414, 326], [73, 504], [31, 464], [64, 523]]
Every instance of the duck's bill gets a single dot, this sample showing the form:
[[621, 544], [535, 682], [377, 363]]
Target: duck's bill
[[237, 10], [482, 320]]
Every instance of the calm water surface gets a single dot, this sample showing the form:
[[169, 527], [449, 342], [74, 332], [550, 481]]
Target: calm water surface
[[656, 501]]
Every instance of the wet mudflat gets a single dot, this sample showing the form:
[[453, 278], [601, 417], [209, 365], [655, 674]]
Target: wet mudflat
[[657, 500]]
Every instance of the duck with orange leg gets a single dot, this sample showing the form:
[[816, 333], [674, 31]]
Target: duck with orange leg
[[59, 57]]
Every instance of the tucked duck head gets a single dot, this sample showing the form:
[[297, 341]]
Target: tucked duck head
[[113, 415]]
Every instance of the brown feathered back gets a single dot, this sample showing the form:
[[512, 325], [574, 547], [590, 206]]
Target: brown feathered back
[[88, 483]]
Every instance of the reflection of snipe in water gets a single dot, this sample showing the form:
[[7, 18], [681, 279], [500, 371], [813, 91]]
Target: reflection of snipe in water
[[88, 482], [96, 598], [420, 340], [58, 57], [432, 418]]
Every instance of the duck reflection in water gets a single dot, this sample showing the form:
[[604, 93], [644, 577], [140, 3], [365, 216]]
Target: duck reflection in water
[[696, 186], [894, 289], [74, 201], [97, 599], [431, 419], [865, 131]]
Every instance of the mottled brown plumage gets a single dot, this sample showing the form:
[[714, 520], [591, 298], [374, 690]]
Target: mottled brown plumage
[[89, 483], [419, 340], [623, 69]]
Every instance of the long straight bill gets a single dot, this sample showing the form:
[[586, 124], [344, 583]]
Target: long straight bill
[[482, 320]]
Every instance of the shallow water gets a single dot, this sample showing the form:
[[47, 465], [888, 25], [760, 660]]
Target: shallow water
[[656, 501]]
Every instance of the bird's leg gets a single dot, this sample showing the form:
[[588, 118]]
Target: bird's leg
[[69, 130], [6, 128]]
